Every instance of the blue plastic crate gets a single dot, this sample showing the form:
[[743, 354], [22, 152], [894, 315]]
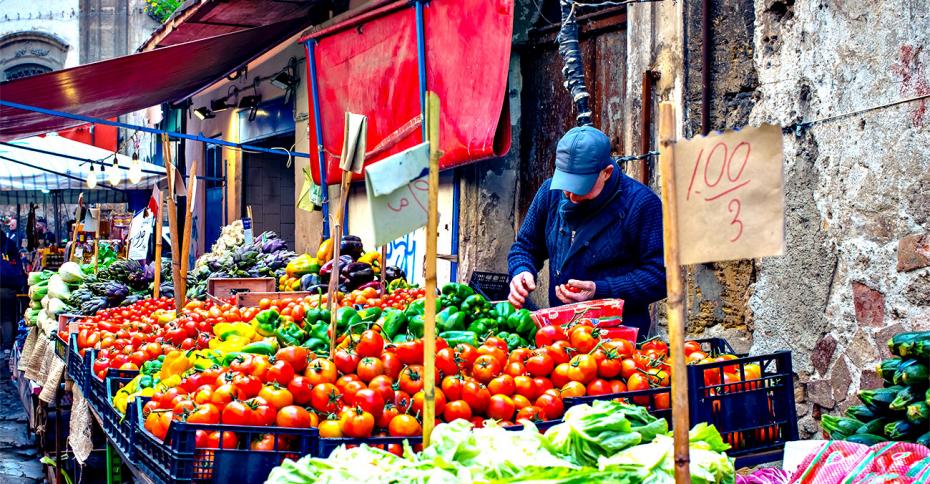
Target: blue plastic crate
[[118, 427], [61, 348], [96, 389], [75, 365], [178, 460]]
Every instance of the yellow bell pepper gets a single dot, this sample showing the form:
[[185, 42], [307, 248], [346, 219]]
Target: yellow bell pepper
[[175, 364], [165, 316], [325, 253], [225, 330]]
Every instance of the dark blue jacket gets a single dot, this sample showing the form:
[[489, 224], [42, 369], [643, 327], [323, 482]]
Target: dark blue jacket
[[620, 250]]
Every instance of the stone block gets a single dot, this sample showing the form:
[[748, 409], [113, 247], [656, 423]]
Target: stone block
[[821, 393], [841, 379], [870, 380], [882, 337], [823, 353], [861, 350], [914, 252], [869, 304]]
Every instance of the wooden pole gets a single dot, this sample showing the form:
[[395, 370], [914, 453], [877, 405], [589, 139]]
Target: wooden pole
[[173, 226], [157, 292], [676, 293], [188, 227], [432, 236], [77, 225], [337, 246], [97, 243]]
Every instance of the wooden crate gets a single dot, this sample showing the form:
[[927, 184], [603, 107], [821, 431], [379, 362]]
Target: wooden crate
[[223, 288], [251, 299], [69, 322]]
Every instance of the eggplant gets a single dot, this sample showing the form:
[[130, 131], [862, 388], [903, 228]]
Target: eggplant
[[309, 280], [351, 245], [393, 272], [357, 273]]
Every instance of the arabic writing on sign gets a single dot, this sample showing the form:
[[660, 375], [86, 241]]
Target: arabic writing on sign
[[723, 183], [418, 193]]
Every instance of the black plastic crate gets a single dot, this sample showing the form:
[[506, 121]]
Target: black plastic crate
[[756, 416], [327, 446], [492, 285], [656, 400], [178, 460], [118, 427], [75, 365]]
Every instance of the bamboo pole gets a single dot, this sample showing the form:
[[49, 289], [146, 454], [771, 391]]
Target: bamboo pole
[[173, 225], [337, 246], [77, 226], [97, 242], [157, 292], [432, 236], [188, 227], [676, 294]]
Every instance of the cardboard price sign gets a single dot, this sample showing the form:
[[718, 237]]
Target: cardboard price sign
[[730, 195]]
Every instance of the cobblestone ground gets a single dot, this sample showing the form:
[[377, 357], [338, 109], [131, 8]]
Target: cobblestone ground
[[19, 454]]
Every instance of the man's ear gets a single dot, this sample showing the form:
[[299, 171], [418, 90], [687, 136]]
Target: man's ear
[[609, 170]]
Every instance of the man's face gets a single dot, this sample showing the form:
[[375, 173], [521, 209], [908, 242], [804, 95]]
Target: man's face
[[13, 224], [595, 190]]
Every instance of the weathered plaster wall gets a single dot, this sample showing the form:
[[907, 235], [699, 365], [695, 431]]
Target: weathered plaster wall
[[857, 197]]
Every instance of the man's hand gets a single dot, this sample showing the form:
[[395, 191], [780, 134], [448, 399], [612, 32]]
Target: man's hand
[[575, 291], [520, 287]]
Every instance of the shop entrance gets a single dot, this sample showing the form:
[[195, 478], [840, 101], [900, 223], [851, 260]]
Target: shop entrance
[[268, 187]]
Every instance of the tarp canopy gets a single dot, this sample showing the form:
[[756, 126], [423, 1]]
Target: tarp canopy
[[125, 84], [27, 175], [367, 64]]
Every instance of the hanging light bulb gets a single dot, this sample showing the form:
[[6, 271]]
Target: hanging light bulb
[[91, 177], [135, 170], [116, 175]]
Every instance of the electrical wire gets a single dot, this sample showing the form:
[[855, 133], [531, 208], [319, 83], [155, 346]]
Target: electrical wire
[[612, 4], [798, 128]]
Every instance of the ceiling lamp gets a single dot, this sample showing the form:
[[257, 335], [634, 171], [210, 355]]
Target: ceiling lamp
[[203, 113], [249, 102], [116, 175], [91, 177], [283, 80], [218, 105], [135, 169]]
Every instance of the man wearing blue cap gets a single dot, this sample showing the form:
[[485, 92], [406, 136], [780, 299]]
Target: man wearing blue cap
[[600, 229]]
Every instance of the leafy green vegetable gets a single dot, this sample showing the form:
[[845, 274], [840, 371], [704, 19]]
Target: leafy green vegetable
[[602, 429]]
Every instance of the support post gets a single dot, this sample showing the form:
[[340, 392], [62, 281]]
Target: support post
[[318, 124], [173, 226], [157, 292], [676, 293], [337, 246], [432, 235], [188, 227]]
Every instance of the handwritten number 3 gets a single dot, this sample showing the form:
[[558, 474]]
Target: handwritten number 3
[[736, 219]]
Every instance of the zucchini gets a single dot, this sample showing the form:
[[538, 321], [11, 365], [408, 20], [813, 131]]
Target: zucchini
[[879, 399], [875, 426], [904, 398], [924, 439], [887, 369], [911, 372], [917, 413], [900, 430], [922, 349], [836, 426], [927, 397], [861, 413], [904, 344], [866, 439]]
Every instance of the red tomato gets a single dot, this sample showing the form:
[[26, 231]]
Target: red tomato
[[457, 409], [503, 384], [300, 389], [498, 342], [531, 413], [515, 368], [383, 385], [540, 364], [293, 416], [410, 352], [486, 367], [372, 402], [369, 367], [325, 398], [350, 389], [547, 335], [404, 426], [392, 365], [238, 413], [264, 413], [371, 343], [321, 370], [411, 379], [524, 385], [598, 387], [346, 361], [445, 362], [477, 396], [296, 356], [359, 423], [206, 439], [387, 414], [281, 372], [465, 355], [452, 386], [419, 398], [501, 407], [276, 396], [583, 338]]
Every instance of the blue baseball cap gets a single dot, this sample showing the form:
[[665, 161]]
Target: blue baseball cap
[[580, 156]]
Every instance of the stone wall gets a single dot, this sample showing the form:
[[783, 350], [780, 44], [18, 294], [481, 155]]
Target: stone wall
[[857, 190]]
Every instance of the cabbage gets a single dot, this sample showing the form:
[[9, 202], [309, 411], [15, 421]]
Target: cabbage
[[58, 288], [71, 272], [45, 302], [57, 306], [37, 277]]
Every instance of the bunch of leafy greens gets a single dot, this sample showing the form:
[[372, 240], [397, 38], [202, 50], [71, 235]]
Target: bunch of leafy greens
[[603, 428], [654, 463]]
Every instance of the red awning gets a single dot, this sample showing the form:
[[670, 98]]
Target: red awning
[[367, 64], [125, 84]]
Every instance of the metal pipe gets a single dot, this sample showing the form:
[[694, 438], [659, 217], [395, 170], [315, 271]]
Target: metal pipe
[[146, 129], [456, 206], [706, 54], [321, 155], [645, 144]]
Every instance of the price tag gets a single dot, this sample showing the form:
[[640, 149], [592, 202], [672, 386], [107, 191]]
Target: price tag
[[730, 195], [140, 232], [247, 227]]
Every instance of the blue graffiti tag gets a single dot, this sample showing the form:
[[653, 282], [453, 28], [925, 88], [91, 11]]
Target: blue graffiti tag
[[402, 253]]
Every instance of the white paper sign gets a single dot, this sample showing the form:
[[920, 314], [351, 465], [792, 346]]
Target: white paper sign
[[731, 202], [90, 223], [247, 227], [398, 193], [140, 232], [353, 146]]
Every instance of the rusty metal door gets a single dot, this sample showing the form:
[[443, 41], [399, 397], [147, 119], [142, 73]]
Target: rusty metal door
[[547, 108]]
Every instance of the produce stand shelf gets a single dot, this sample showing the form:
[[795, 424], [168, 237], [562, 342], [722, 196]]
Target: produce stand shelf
[[137, 474]]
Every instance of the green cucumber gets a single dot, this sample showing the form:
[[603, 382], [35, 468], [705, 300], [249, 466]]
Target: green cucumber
[[861, 413], [835, 426], [900, 430], [866, 439], [887, 369], [875, 426], [904, 398], [879, 399], [915, 374], [917, 413], [905, 344]]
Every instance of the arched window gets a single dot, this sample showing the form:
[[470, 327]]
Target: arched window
[[27, 53]]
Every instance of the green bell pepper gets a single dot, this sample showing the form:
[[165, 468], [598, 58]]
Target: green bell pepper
[[456, 293], [450, 319], [401, 338], [513, 340], [392, 322], [483, 326], [267, 321], [347, 317], [415, 326], [151, 367], [502, 311], [457, 337], [417, 308], [312, 316], [370, 315], [290, 334], [521, 322], [316, 345], [146, 381], [476, 306], [229, 358], [320, 331], [263, 347]]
